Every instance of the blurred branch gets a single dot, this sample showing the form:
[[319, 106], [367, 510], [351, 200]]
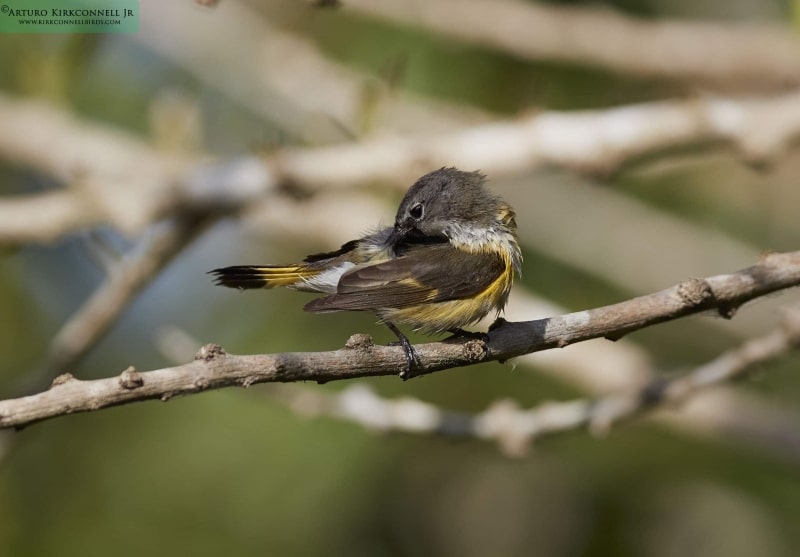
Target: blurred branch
[[664, 247], [597, 368], [213, 368], [284, 78], [125, 280], [111, 163], [746, 56], [586, 141], [114, 177], [654, 248], [514, 428]]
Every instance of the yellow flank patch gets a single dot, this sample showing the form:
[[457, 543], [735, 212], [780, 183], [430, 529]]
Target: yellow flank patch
[[453, 314]]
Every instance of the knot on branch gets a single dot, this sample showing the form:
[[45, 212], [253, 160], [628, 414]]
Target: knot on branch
[[210, 352], [694, 292], [131, 379], [62, 379], [360, 342], [475, 350]]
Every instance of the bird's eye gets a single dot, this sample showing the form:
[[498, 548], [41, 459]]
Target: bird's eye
[[416, 211]]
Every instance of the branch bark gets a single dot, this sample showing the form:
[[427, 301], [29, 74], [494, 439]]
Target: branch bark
[[514, 428], [704, 53], [213, 368]]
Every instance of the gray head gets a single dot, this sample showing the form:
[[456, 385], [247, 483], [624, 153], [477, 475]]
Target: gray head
[[449, 198]]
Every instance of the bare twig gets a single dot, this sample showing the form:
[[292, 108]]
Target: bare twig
[[655, 245], [284, 77], [213, 368], [114, 178], [597, 141], [515, 428], [742, 417], [730, 365], [131, 191], [125, 280], [745, 418], [733, 55]]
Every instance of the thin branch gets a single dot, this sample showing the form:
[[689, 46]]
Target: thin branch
[[637, 263], [597, 141], [600, 141], [114, 178], [283, 77], [213, 368], [761, 129], [745, 418], [98, 313], [704, 53], [515, 428]]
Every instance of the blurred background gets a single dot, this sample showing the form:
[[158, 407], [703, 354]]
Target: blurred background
[[245, 472]]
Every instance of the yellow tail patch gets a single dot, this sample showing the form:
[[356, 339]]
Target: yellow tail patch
[[252, 276]]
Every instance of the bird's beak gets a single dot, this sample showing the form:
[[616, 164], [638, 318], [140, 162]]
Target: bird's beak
[[399, 232]]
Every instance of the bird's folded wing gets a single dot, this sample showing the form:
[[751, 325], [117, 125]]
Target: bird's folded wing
[[429, 274]]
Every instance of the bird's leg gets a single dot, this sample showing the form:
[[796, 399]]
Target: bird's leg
[[412, 360]]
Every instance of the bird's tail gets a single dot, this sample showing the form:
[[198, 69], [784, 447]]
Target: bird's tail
[[263, 276]]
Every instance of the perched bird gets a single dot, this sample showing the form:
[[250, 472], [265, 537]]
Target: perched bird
[[449, 260]]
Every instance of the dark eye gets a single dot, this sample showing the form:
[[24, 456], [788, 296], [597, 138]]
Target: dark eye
[[417, 211]]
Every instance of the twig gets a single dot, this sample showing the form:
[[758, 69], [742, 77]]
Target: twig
[[515, 428], [730, 365], [733, 55], [283, 77], [636, 263], [133, 272], [213, 368], [114, 178], [592, 140], [746, 418]]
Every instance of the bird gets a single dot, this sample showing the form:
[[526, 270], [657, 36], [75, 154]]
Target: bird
[[449, 259]]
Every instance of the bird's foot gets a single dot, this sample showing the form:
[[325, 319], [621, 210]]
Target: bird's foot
[[413, 363]]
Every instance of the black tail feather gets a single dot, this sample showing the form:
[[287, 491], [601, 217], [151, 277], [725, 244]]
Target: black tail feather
[[243, 276], [261, 276]]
